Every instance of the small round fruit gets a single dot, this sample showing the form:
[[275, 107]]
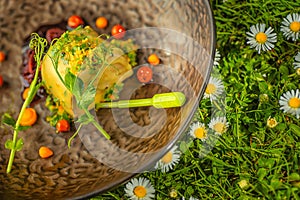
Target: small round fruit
[[144, 74], [101, 22], [75, 21], [62, 125], [153, 59], [29, 117], [118, 31], [45, 152], [25, 93]]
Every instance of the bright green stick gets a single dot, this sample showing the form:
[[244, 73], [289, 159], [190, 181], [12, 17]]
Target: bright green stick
[[164, 100]]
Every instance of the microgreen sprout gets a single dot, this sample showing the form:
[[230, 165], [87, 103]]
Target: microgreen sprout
[[38, 44]]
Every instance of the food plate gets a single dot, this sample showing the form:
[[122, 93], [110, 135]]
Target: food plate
[[180, 32]]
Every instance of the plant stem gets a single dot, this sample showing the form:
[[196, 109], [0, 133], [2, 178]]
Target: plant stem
[[96, 124], [39, 50], [17, 125], [74, 135]]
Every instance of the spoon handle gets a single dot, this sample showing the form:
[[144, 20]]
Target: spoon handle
[[163, 100]]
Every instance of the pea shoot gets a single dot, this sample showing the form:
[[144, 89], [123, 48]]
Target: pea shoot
[[38, 44]]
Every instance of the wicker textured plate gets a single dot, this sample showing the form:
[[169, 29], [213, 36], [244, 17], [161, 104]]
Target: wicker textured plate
[[146, 133]]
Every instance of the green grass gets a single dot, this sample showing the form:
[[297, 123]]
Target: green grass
[[266, 159]]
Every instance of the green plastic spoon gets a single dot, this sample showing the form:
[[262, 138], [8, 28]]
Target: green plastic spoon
[[164, 100]]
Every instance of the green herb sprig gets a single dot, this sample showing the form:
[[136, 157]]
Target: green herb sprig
[[84, 91], [38, 44]]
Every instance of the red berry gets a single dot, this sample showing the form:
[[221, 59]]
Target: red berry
[[62, 126], [144, 74], [75, 21], [118, 31]]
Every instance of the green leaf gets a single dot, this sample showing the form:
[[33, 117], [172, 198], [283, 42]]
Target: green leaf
[[78, 88], [294, 177], [261, 173], [23, 128], [284, 70], [70, 80], [263, 86], [8, 120], [190, 190], [266, 162], [34, 91], [295, 129], [19, 144], [281, 127], [87, 97], [9, 144], [275, 184], [83, 119], [184, 146], [262, 187], [74, 84]]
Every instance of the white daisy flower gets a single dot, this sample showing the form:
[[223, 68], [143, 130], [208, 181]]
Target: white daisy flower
[[140, 189], [218, 124], [199, 131], [260, 38], [214, 88], [169, 160], [290, 26], [217, 58], [290, 102], [297, 61]]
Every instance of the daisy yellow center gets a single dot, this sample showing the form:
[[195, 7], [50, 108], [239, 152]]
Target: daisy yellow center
[[210, 89], [261, 37], [294, 102], [219, 127], [167, 158], [200, 133], [140, 191], [295, 26]]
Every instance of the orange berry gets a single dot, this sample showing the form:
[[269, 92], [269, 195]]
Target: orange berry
[[153, 59], [101, 22], [2, 56], [45, 152], [25, 93], [29, 117], [62, 126]]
